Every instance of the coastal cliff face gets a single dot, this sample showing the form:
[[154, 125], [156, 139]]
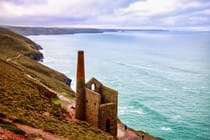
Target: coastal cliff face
[[34, 99], [15, 44]]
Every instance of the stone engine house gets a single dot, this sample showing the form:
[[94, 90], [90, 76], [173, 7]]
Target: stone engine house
[[95, 103]]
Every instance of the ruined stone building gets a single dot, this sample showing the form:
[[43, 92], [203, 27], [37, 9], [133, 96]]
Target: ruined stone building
[[95, 103]]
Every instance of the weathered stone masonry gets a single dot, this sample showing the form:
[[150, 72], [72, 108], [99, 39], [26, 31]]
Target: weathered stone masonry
[[95, 103]]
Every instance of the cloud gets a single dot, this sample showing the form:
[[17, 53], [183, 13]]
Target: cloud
[[52, 9], [24, 2], [60, 7], [121, 13], [162, 14]]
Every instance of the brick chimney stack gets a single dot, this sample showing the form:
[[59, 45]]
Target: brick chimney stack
[[80, 87]]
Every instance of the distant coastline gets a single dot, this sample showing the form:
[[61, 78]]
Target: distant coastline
[[56, 30]]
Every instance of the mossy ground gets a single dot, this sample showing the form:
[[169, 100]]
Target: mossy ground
[[24, 100]]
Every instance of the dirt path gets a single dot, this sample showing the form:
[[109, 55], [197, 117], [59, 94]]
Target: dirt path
[[45, 135], [16, 57], [8, 135], [63, 98], [71, 104], [126, 133]]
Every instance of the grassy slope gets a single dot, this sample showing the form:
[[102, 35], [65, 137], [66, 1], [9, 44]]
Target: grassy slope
[[24, 100]]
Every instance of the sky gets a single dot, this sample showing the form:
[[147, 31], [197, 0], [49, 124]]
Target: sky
[[142, 14]]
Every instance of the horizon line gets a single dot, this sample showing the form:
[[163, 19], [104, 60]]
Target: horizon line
[[109, 27]]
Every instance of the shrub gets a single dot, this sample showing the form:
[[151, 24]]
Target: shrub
[[19, 121]]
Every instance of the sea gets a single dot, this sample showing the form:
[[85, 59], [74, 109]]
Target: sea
[[162, 77]]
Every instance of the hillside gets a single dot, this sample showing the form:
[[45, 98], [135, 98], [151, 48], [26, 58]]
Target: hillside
[[34, 99]]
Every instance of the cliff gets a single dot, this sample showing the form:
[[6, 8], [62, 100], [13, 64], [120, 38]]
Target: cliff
[[34, 99]]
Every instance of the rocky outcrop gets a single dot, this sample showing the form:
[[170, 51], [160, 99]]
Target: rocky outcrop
[[38, 47], [36, 56], [67, 81]]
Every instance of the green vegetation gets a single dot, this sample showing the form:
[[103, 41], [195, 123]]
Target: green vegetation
[[68, 96], [24, 99], [35, 137], [11, 127], [58, 101]]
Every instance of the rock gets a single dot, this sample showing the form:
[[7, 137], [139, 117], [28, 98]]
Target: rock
[[38, 47], [67, 81], [47, 114], [36, 56]]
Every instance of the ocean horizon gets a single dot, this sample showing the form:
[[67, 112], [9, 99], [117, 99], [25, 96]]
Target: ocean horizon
[[163, 78]]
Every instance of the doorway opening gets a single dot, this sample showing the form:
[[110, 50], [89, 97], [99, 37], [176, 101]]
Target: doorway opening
[[108, 125]]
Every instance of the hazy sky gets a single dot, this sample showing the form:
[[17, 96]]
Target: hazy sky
[[172, 14]]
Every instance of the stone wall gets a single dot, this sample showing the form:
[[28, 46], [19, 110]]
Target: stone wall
[[93, 101], [107, 111], [108, 95], [101, 106], [96, 84]]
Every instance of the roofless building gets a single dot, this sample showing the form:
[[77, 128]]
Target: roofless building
[[95, 103]]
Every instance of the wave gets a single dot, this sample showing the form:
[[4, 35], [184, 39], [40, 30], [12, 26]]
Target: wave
[[141, 67], [170, 69], [177, 116], [165, 89], [179, 69], [131, 109], [146, 110], [166, 128], [139, 111]]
